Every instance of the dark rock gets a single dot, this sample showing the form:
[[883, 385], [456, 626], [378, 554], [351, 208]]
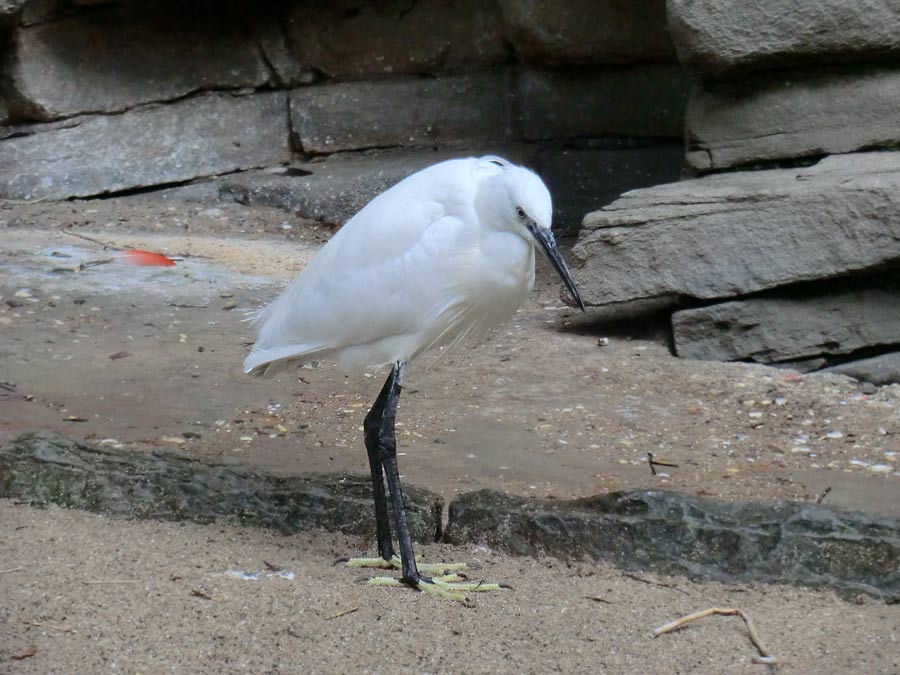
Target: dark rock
[[583, 179], [562, 32], [43, 469], [738, 233], [402, 112], [273, 42], [787, 542], [114, 59], [781, 328], [714, 36], [354, 39], [10, 7], [883, 369], [792, 114], [333, 189], [642, 101], [154, 145]]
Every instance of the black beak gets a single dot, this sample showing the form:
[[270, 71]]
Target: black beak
[[545, 238]]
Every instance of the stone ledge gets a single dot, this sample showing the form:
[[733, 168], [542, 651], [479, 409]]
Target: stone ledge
[[43, 469], [734, 234], [668, 532]]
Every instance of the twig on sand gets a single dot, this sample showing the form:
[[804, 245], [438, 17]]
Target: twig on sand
[[631, 575], [765, 656], [340, 614], [12, 569], [104, 244], [62, 629], [824, 494], [110, 581]]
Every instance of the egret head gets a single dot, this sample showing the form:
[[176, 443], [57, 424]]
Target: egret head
[[514, 198]]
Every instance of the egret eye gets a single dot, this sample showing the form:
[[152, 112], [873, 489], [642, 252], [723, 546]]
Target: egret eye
[[520, 212]]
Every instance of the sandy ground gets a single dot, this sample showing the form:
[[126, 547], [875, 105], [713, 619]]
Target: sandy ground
[[93, 595], [148, 356]]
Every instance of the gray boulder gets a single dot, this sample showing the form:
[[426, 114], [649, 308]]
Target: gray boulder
[[562, 32], [394, 38], [715, 36], [402, 112], [44, 469], [114, 59], [883, 369], [785, 542], [792, 114], [733, 234], [330, 191], [771, 329], [644, 101], [153, 145]]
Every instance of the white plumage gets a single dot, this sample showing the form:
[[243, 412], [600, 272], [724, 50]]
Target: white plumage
[[444, 256]]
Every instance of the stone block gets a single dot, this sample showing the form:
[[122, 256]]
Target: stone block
[[738, 233], [153, 145], [882, 369], [332, 190], [402, 112], [632, 101], [715, 36], [789, 327], [782, 542], [116, 58], [354, 39], [562, 32], [790, 114]]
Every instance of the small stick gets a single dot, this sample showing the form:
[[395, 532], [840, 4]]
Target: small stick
[[111, 581], [62, 629], [12, 569], [340, 614], [822, 496], [654, 583], [90, 239], [765, 656], [658, 462], [597, 598]]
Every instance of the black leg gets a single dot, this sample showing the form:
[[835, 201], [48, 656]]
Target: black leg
[[372, 429], [387, 440]]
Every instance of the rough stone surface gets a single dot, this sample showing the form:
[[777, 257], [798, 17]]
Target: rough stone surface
[[561, 32], [789, 542], [354, 39], [113, 59], [792, 114], [331, 191], [201, 136], [641, 101], [769, 329], [883, 369], [582, 179], [738, 233], [9, 7], [43, 469], [401, 112], [714, 36]]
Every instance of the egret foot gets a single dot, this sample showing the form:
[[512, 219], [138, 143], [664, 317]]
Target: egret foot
[[434, 569], [447, 586]]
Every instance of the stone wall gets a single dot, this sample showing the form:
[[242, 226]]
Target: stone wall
[[784, 247], [316, 107]]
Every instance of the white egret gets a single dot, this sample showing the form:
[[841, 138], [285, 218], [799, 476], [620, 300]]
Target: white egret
[[444, 256]]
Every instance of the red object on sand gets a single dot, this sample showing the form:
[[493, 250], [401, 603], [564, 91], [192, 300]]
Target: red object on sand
[[146, 258]]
